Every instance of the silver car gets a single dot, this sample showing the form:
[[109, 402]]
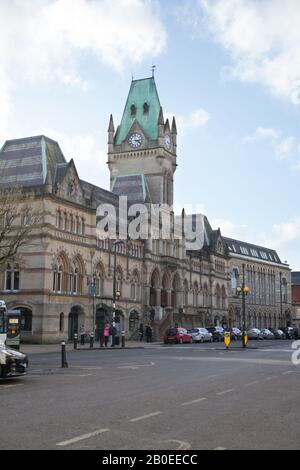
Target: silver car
[[201, 335], [267, 334], [255, 333]]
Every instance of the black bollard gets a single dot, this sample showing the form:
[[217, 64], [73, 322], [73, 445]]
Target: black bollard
[[75, 340], [123, 339], [91, 340], [64, 363]]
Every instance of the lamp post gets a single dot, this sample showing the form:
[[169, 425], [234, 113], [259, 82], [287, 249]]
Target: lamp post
[[280, 290], [243, 291], [116, 293], [93, 294]]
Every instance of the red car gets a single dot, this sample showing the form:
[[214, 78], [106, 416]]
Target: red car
[[177, 335]]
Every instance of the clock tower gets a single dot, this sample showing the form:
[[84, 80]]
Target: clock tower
[[142, 150]]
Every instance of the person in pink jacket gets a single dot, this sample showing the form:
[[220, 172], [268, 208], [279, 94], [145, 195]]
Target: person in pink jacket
[[106, 333]]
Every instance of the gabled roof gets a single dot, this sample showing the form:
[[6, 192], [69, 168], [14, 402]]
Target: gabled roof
[[133, 186], [237, 247], [141, 91], [26, 161]]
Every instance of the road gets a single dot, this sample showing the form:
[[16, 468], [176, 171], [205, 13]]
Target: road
[[165, 397]]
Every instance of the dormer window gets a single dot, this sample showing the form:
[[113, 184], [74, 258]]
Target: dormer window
[[133, 110], [146, 108]]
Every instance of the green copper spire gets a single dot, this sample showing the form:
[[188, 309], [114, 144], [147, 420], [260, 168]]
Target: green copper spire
[[142, 105]]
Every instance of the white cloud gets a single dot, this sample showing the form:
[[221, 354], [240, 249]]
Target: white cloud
[[283, 147], [263, 39], [284, 234], [231, 230], [262, 133], [194, 120], [47, 39]]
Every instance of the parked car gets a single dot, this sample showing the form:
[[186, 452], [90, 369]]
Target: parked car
[[278, 334], [267, 334], [177, 336], [201, 335], [217, 332], [235, 333], [289, 331], [12, 363], [255, 333]]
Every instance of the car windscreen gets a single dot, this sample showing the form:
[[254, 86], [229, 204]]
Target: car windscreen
[[171, 333]]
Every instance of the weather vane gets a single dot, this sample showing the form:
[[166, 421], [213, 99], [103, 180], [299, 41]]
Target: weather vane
[[153, 70]]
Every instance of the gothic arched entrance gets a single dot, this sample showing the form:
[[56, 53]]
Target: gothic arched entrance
[[76, 317]]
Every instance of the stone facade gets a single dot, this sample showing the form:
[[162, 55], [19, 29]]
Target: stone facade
[[65, 276]]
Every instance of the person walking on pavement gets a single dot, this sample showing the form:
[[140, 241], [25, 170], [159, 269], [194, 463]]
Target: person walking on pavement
[[82, 333], [149, 333], [141, 331], [101, 335], [106, 333]]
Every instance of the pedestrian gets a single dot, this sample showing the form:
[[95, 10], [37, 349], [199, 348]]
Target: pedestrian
[[141, 331], [113, 333], [106, 333], [101, 335], [82, 333], [148, 333]]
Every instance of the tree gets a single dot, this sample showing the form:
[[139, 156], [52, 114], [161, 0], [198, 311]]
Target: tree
[[18, 219]]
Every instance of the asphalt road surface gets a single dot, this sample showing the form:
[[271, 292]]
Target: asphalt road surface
[[160, 398]]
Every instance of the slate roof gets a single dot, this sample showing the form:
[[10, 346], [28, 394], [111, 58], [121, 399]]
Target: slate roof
[[253, 251], [25, 162], [141, 91], [99, 195], [296, 278], [133, 186]]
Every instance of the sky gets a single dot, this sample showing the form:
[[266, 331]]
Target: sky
[[229, 70]]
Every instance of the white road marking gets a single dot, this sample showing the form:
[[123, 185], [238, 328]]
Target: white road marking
[[182, 444], [12, 385], [139, 418], [251, 383], [272, 377], [220, 448], [288, 372], [82, 437], [193, 401], [128, 367], [225, 391]]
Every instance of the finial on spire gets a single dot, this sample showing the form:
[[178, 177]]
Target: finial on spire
[[153, 70]]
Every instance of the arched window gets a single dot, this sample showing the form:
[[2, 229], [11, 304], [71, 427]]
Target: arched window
[[61, 322], [205, 295], [195, 295], [59, 278], [218, 296], [78, 275], [284, 290], [185, 293], [12, 277], [133, 110], [223, 297], [234, 281], [145, 108], [133, 320]]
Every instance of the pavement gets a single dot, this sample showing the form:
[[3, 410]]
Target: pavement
[[177, 397], [47, 348]]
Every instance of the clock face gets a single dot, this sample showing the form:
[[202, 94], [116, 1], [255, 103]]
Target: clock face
[[168, 141], [135, 140]]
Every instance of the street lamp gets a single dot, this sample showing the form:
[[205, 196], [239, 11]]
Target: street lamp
[[243, 291], [93, 292], [280, 287], [116, 293]]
